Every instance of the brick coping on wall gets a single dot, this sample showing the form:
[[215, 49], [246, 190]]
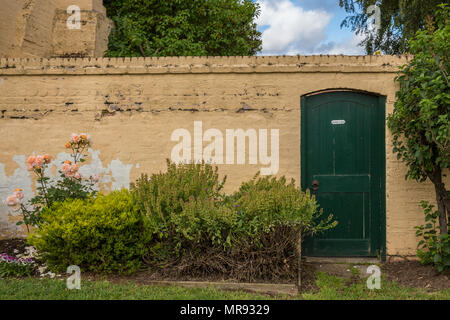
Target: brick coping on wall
[[195, 65]]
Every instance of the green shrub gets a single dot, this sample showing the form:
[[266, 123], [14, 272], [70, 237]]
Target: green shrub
[[163, 195], [432, 248], [205, 221], [199, 231], [106, 234], [264, 203]]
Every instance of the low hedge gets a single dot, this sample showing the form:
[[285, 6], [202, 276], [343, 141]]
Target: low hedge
[[181, 224], [199, 231], [105, 234]]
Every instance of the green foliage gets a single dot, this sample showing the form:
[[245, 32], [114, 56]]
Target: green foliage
[[163, 195], [432, 248], [70, 188], [105, 234], [187, 211], [183, 28], [63, 189], [420, 122], [204, 221], [264, 203], [400, 20], [70, 185], [15, 269]]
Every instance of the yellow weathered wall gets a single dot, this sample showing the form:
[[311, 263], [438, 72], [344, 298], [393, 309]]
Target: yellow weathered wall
[[9, 16], [132, 106]]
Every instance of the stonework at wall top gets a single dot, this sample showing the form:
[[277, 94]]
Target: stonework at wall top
[[161, 65]]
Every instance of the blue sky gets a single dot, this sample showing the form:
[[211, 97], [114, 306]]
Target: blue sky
[[305, 27]]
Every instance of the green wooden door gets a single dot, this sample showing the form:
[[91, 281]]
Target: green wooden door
[[343, 158]]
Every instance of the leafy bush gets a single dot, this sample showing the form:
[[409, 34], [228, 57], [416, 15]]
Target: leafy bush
[[105, 234], [163, 195], [152, 28], [433, 249], [199, 231], [204, 220], [267, 202]]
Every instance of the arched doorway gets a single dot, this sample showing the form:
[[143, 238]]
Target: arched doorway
[[343, 164]]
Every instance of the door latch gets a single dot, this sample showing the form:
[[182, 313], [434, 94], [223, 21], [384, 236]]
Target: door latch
[[315, 185]]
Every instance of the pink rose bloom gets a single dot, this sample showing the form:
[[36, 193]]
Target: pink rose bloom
[[18, 194], [12, 201], [39, 160], [69, 170], [75, 138], [95, 178], [77, 176], [74, 169], [31, 160], [65, 167]]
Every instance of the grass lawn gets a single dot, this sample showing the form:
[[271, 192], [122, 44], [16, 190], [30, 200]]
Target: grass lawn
[[330, 288], [335, 288], [54, 289]]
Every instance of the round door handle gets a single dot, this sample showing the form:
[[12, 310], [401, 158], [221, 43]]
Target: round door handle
[[315, 185]]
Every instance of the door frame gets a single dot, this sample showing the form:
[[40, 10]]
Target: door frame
[[381, 141]]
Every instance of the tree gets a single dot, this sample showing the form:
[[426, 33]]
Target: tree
[[400, 19], [183, 28], [420, 123]]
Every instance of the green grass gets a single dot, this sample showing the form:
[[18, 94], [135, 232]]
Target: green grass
[[51, 289], [335, 288], [330, 288]]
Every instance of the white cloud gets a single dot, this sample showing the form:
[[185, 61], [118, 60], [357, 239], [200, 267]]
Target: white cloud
[[291, 29], [348, 47], [288, 29]]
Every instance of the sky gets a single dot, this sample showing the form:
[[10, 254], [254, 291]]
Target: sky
[[305, 27]]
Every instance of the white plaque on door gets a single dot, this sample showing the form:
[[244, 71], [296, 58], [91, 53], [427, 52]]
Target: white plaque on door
[[337, 122]]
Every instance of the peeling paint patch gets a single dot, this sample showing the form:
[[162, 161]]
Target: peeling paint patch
[[114, 176], [19, 179]]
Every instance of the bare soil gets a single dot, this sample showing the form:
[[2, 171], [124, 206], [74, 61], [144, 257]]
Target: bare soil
[[8, 246], [414, 274]]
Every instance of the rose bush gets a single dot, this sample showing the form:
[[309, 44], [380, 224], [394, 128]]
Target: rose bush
[[70, 185]]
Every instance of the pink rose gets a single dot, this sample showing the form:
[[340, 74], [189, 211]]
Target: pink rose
[[69, 169], [12, 201], [75, 137], [39, 160], [18, 193], [31, 160]]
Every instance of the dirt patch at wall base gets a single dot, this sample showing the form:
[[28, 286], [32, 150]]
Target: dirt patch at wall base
[[414, 274], [9, 246]]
